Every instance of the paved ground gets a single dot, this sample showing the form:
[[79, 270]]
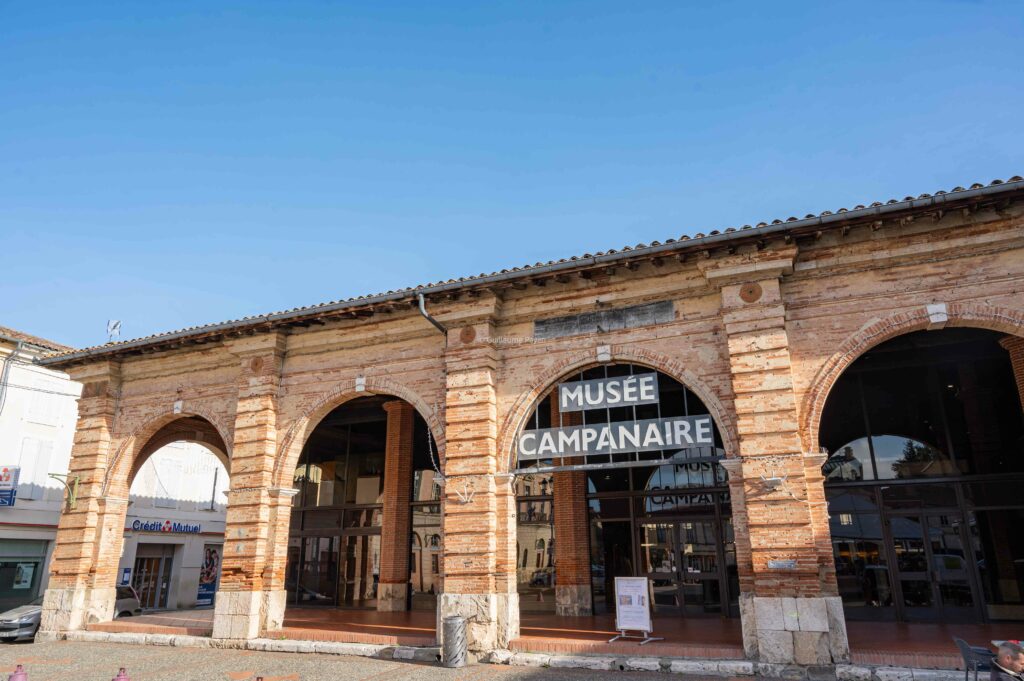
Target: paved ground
[[77, 661]]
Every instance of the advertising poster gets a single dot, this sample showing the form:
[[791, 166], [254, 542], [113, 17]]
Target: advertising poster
[[208, 574], [23, 575], [632, 604]]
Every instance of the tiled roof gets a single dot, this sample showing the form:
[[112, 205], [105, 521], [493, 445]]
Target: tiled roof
[[34, 340], [713, 237]]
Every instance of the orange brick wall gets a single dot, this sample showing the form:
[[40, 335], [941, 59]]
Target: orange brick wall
[[763, 367]]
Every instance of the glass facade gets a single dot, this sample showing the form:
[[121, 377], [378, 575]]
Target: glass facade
[[923, 480], [664, 517], [337, 514]]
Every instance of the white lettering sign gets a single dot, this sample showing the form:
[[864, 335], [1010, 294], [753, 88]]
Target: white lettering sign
[[680, 432], [601, 393]]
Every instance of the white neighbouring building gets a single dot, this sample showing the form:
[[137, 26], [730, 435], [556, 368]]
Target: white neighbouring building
[[174, 528]]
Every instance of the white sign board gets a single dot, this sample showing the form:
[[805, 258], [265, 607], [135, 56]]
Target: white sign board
[[632, 604], [679, 432], [602, 393]]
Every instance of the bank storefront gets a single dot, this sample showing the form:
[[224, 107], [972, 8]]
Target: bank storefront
[[172, 563]]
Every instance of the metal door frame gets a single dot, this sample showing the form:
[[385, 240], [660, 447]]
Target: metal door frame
[[714, 517], [938, 611]]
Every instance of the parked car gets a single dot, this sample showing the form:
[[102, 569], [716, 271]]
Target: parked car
[[127, 603], [21, 623], [543, 577]]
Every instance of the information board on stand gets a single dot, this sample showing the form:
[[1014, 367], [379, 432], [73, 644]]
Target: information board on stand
[[633, 609]]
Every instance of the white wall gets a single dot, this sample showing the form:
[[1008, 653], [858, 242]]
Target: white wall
[[178, 482], [37, 427]]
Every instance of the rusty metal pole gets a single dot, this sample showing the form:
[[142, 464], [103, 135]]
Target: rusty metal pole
[[19, 674]]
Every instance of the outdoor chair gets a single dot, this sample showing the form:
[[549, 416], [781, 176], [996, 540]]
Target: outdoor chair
[[976, 658]]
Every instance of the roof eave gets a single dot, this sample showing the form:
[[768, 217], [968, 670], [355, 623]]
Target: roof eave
[[809, 224]]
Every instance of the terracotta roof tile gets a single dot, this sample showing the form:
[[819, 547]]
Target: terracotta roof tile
[[35, 340]]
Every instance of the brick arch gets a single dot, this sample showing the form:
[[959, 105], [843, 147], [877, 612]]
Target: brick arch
[[295, 438], [160, 431], [877, 331], [582, 359]]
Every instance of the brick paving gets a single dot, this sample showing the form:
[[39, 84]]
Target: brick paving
[[65, 660]]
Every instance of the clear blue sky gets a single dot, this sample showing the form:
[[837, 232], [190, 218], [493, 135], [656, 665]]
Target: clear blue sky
[[177, 163]]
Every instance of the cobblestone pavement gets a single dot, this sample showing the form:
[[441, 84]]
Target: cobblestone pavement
[[81, 661]]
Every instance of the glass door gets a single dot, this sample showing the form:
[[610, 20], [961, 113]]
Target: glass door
[[318, 575], [360, 570], [145, 581], [701, 563], [952, 568], [684, 559], [660, 562], [934, 574]]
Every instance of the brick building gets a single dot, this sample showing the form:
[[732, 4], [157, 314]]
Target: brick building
[[833, 432]]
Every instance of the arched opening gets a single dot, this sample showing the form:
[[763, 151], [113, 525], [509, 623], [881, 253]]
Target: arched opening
[[925, 437], [366, 511], [174, 524], [618, 475]]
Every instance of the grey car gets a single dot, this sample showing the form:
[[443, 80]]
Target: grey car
[[21, 623]]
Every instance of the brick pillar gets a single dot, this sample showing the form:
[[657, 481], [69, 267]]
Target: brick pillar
[[83, 569], [1015, 346], [573, 595], [789, 605], [479, 510], [393, 592], [251, 594]]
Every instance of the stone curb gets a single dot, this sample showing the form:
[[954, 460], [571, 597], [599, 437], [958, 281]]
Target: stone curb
[[267, 645], [723, 668], [713, 668]]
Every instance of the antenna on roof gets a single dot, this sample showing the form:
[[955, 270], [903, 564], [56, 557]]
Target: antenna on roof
[[113, 329]]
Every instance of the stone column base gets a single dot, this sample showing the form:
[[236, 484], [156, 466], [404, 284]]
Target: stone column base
[[240, 615], [276, 603], [803, 631], [492, 620], [74, 608], [392, 597], [574, 600]]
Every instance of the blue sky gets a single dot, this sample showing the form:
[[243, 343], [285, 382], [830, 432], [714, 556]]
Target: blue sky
[[178, 163]]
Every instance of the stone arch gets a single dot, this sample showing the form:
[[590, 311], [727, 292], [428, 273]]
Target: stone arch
[[295, 438], [136, 448], [582, 359], [877, 331]]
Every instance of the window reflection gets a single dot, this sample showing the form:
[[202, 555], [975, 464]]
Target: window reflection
[[927, 405]]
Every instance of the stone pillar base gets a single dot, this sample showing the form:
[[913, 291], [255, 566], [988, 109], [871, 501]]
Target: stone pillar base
[[803, 631], [392, 597], [240, 614], [276, 603], [492, 620], [74, 608], [574, 600]]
